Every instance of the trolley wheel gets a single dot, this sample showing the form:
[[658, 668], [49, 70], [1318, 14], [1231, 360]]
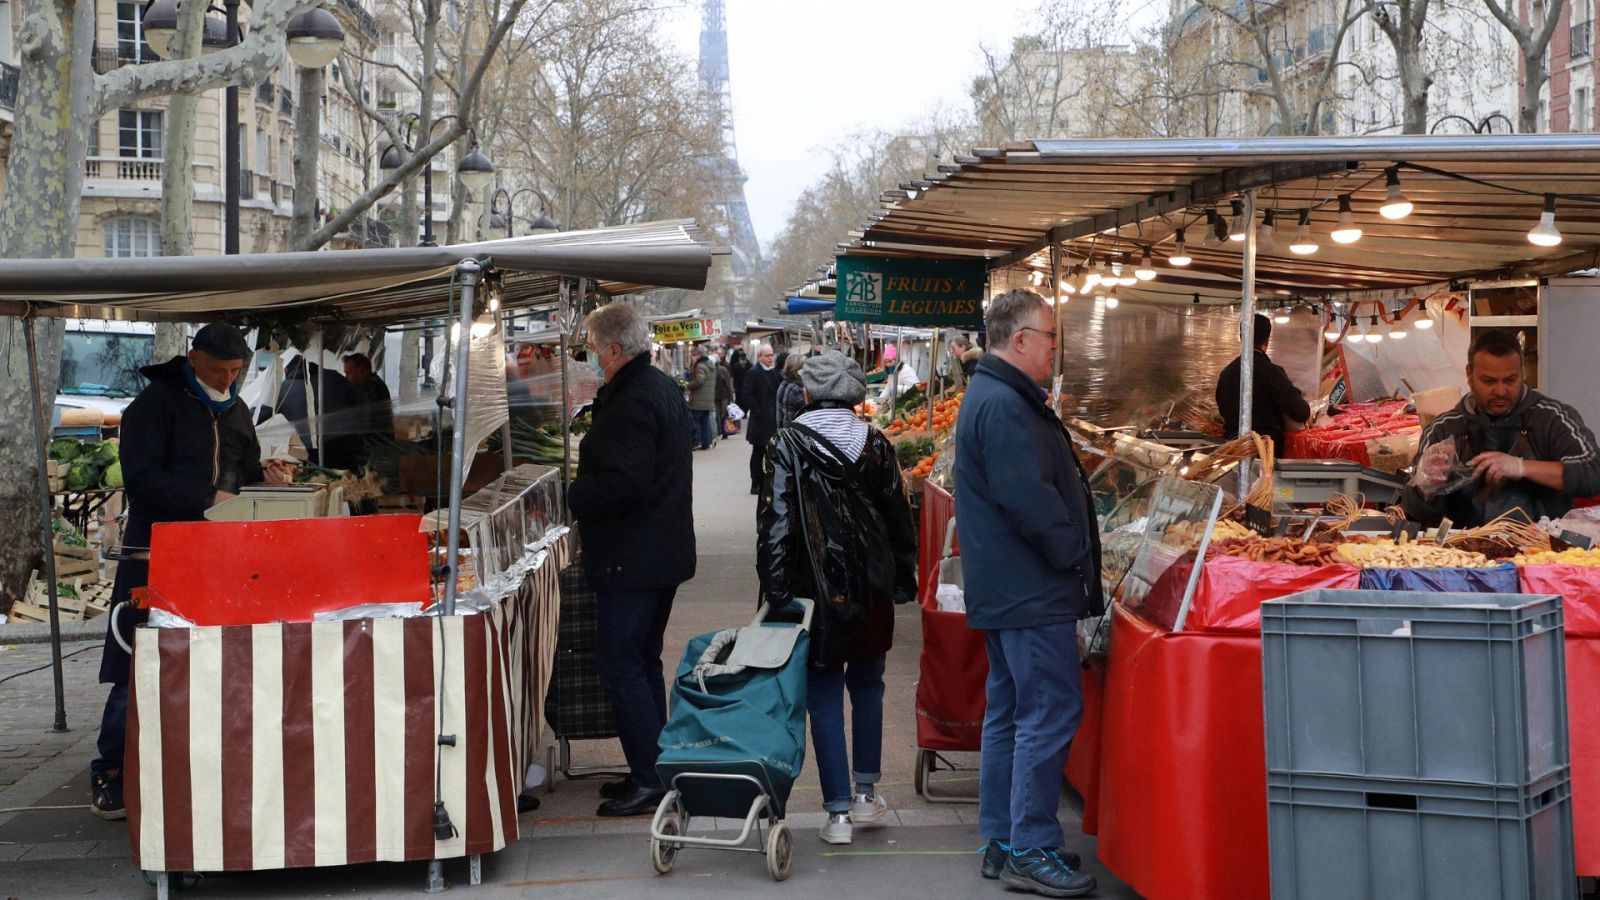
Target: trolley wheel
[[924, 767], [780, 851], [665, 853]]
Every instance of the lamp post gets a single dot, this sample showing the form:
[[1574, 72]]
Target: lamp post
[[318, 37], [542, 223], [474, 169]]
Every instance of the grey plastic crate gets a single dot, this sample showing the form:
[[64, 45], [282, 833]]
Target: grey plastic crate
[[1412, 685], [1336, 838]]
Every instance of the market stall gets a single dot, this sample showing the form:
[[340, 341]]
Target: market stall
[[383, 676], [1157, 255]]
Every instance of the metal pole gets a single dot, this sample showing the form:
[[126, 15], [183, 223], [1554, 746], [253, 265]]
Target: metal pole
[[1247, 333], [470, 273], [1055, 291], [314, 409], [427, 200], [563, 316], [46, 508], [230, 176]]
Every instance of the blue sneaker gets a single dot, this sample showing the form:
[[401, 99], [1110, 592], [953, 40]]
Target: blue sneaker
[[994, 858], [1044, 871]]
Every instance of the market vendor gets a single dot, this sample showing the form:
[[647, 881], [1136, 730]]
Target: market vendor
[[187, 444], [1504, 447], [1274, 400]]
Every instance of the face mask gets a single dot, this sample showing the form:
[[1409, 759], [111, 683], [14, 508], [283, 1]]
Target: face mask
[[214, 394], [596, 365]]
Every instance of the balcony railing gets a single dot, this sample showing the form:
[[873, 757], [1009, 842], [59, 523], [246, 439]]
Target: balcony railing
[[1582, 40], [106, 59], [125, 168], [363, 18], [8, 85], [264, 92], [286, 101]]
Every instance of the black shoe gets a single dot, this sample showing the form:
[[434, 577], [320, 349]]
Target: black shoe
[[642, 802], [613, 790], [526, 802], [1044, 871], [994, 858], [107, 797]]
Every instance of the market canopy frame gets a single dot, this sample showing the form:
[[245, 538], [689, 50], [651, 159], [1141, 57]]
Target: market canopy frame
[[1475, 196], [370, 287]]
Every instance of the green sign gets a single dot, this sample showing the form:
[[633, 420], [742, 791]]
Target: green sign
[[941, 292]]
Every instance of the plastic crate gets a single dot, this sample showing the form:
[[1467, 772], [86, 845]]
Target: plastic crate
[[1414, 685], [1337, 837]]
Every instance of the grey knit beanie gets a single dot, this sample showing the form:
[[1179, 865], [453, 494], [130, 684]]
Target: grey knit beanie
[[831, 375]]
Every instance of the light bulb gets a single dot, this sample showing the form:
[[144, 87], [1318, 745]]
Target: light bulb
[[1037, 277], [1347, 232], [1111, 300], [1264, 235], [1424, 319], [1180, 254], [1395, 205], [1236, 233], [1303, 244], [1281, 316], [1545, 233], [1332, 332], [1066, 286], [1145, 272], [1374, 336], [1210, 238], [1126, 276], [1091, 275]]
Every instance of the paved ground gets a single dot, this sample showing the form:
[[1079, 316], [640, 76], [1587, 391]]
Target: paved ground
[[51, 847]]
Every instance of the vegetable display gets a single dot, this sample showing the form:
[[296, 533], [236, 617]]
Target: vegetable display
[[1572, 557]]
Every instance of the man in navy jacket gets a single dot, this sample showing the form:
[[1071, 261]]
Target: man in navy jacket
[[1030, 554]]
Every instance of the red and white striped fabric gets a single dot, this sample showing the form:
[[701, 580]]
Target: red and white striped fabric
[[290, 745]]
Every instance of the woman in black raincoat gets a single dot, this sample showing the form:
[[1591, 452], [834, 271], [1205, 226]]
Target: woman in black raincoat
[[835, 527]]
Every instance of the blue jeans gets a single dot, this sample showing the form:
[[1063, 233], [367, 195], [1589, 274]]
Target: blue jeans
[[825, 701], [631, 625], [704, 426], [113, 742], [1035, 700]]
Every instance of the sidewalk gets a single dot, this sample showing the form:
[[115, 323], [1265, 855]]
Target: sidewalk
[[927, 851]]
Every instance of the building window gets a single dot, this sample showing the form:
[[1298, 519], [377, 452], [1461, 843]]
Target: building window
[[139, 133], [133, 236], [131, 46], [1580, 109]]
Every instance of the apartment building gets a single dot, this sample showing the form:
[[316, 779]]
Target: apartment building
[[1568, 102]]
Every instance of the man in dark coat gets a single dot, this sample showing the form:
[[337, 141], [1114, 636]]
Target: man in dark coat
[[725, 393], [187, 444], [342, 407], [632, 499], [379, 418], [1274, 400], [761, 393], [1030, 556]]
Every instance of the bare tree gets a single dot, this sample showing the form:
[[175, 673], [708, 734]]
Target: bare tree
[[1299, 92], [1404, 23], [1533, 40]]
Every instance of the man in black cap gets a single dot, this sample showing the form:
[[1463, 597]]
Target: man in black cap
[[187, 444]]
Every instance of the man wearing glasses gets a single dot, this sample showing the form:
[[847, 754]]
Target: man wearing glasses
[[1030, 554], [632, 502]]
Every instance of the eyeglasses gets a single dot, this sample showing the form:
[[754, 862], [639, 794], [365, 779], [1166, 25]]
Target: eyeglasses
[[1049, 334]]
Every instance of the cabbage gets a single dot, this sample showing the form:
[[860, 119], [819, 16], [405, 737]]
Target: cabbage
[[113, 475], [64, 449]]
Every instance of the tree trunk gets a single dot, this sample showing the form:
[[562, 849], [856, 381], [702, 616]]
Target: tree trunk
[[177, 175], [44, 175], [410, 362], [307, 150], [1414, 83], [1532, 83]]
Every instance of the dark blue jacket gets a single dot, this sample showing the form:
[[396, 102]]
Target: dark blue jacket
[[1030, 545]]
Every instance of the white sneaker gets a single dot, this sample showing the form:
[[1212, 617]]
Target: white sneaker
[[838, 830], [868, 809]]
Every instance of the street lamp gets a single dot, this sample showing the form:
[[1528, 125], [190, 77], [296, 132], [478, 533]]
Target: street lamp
[[509, 219], [313, 35], [474, 169]]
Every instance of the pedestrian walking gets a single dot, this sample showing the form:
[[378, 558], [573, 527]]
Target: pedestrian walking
[[1030, 554], [761, 409], [725, 393], [632, 501], [739, 365], [791, 394], [702, 396], [833, 475]]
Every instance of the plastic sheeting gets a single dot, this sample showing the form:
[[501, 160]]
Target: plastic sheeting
[[1426, 358], [487, 408], [1491, 580]]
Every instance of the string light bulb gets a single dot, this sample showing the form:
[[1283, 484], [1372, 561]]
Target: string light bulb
[[1395, 205], [1066, 286], [1545, 234], [1397, 328], [1180, 254], [1347, 231], [1331, 332], [1304, 244], [1265, 239], [1111, 299], [1374, 336], [1091, 275], [1211, 238], [1424, 318], [1125, 276], [1281, 316], [1146, 271], [1237, 232]]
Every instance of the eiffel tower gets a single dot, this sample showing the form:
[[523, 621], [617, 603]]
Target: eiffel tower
[[714, 80]]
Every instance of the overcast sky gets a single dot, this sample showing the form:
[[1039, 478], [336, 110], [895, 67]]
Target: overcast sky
[[807, 72]]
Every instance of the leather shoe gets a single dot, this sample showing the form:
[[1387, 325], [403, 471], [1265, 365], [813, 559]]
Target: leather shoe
[[613, 790], [641, 801]]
